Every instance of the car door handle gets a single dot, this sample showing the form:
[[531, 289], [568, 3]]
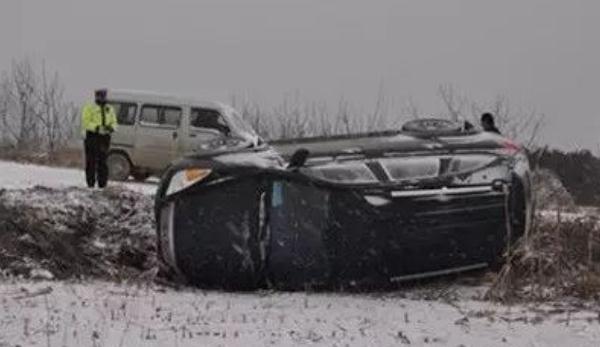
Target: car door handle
[[193, 135], [174, 134]]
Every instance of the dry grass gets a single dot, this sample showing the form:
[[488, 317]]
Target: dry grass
[[559, 258], [65, 157]]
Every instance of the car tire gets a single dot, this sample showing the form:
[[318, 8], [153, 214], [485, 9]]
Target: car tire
[[518, 209], [119, 166]]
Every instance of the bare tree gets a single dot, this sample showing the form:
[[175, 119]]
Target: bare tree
[[33, 112], [521, 125], [455, 103], [411, 109], [295, 117]]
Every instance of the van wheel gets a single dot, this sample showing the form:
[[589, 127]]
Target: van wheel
[[140, 176], [119, 167]]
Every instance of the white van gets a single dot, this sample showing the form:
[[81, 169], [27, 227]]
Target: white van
[[155, 129]]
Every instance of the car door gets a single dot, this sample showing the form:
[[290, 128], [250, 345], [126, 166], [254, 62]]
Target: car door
[[157, 136], [205, 126]]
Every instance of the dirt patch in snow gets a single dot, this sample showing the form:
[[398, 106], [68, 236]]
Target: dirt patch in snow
[[76, 233]]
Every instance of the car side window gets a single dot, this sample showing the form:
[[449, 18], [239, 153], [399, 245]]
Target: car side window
[[125, 112], [167, 116], [207, 118]]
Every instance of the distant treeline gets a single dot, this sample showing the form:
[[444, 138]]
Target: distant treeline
[[579, 172]]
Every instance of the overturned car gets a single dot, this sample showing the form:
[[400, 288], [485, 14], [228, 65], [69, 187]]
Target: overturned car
[[367, 209]]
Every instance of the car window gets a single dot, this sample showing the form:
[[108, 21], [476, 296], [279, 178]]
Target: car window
[[208, 119], [167, 116], [125, 112]]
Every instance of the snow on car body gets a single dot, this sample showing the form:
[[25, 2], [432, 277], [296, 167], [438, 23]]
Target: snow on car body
[[372, 208]]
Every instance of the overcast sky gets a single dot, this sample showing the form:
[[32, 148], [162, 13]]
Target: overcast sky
[[541, 54]]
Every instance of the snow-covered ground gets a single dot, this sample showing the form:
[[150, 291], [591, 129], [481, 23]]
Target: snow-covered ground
[[94, 313], [15, 175], [105, 314]]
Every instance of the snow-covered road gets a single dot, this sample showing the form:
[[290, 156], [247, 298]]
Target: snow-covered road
[[106, 314]]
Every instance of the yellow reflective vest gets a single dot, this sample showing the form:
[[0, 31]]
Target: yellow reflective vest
[[91, 119]]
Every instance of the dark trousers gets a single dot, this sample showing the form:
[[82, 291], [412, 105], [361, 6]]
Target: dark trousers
[[96, 151]]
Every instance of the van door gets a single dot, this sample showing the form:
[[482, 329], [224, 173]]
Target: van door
[[124, 137], [157, 136], [205, 125]]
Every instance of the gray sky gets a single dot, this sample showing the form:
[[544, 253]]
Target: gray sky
[[541, 54]]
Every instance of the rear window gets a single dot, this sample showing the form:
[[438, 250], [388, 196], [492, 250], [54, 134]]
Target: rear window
[[350, 172], [411, 168]]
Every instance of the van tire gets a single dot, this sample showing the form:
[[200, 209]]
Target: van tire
[[119, 166]]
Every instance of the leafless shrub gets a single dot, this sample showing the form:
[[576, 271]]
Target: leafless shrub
[[561, 257], [550, 193]]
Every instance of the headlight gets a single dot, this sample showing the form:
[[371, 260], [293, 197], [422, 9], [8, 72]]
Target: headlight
[[186, 178]]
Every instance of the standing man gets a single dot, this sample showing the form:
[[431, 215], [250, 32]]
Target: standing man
[[487, 123], [98, 122]]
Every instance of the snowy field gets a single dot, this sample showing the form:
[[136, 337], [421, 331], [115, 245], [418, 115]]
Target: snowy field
[[15, 175], [96, 313], [104, 314]]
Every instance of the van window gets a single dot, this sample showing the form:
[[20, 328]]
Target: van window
[[161, 115], [207, 118], [125, 112], [172, 116], [150, 115]]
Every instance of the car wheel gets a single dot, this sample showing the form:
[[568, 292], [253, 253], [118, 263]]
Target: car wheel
[[119, 166]]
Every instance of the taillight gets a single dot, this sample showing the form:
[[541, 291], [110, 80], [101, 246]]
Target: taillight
[[509, 148]]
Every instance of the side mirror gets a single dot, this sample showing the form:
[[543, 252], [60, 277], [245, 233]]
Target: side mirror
[[298, 159]]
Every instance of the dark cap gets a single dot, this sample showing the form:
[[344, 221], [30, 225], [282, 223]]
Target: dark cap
[[100, 93]]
